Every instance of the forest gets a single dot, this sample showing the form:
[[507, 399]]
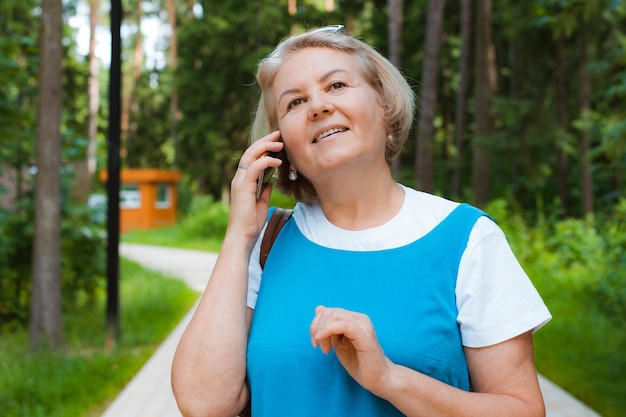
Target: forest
[[522, 111], [519, 100]]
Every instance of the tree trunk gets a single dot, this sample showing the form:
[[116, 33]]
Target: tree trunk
[[129, 88], [461, 98], [395, 52], [46, 325], [136, 74], [94, 88], [484, 88], [585, 139], [425, 129], [173, 64], [561, 115], [86, 168]]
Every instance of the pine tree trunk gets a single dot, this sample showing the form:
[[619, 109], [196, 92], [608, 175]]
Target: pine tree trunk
[[395, 23], [561, 115], [94, 88], [425, 129], [46, 325], [134, 160], [173, 64], [484, 88], [585, 139], [461, 98]]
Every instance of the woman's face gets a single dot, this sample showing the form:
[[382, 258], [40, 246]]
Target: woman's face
[[328, 115]]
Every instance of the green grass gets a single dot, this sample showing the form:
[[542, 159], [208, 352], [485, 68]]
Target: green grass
[[172, 236], [83, 380], [582, 350]]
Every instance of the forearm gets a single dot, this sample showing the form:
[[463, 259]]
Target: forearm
[[416, 395], [209, 368]]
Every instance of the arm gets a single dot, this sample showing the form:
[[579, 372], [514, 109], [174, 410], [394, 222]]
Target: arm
[[209, 367], [503, 376]]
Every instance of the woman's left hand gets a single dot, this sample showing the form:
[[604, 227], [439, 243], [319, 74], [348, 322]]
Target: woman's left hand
[[354, 340]]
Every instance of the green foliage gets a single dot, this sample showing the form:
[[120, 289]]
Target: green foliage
[[86, 376], [214, 84], [577, 266], [148, 145], [610, 291], [206, 218], [278, 199], [16, 234], [83, 256], [82, 259]]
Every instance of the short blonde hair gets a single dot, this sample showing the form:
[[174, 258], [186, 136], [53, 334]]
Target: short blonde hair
[[394, 93]]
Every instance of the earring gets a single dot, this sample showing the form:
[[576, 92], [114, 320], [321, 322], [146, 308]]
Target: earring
[[390, 138], [293, 174]]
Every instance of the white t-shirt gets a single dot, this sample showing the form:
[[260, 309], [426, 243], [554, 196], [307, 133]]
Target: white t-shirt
[[496, 300]]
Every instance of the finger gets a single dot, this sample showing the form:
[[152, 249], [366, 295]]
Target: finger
[[315, 324], [261, 147], [330, 326]]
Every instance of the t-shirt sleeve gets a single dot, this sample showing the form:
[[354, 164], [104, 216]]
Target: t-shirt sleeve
[[255, 272], [496, 300]]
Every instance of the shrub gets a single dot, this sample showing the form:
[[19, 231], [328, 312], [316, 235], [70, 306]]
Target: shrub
[[206, 218], [82, 259], [610, 290]]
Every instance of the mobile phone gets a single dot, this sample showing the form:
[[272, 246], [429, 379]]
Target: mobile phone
[[264, 179], [267, 174]]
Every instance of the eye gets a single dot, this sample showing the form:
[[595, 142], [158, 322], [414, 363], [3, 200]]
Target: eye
[[294, 103], [336, 85]]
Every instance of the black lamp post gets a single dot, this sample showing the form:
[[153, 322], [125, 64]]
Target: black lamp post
[[113, 181]]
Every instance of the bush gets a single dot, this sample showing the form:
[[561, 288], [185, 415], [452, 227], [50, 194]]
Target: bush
[[82, 259], [16, 238], [206, 218], [610, 290], [577, 266]]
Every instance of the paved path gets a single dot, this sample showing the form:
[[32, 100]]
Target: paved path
[[149, 393]]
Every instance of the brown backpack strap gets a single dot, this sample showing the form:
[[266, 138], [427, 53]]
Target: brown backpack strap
[[277, 221]]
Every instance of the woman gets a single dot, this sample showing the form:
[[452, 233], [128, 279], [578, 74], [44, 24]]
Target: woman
[[416, 303]]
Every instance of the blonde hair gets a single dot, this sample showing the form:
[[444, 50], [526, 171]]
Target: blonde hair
[[394, 94]]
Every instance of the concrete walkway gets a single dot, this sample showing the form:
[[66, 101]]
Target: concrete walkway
[[149, 393]]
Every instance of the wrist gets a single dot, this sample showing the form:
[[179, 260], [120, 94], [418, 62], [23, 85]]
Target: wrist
[[389, 380], [238, 242]]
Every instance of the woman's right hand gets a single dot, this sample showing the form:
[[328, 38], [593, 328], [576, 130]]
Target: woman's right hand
[[247, 215]]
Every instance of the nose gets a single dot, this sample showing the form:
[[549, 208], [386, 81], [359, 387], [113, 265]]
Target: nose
[[319, 106]]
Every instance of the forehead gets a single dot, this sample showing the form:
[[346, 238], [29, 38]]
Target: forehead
[[314, 63]]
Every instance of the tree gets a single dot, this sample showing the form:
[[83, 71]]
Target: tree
[[129, 90], [585, 139], [46, 327], [395, 21], [485, 84], [217, 84], [94, 87], [461, 98], [425, 128], [172, 18]]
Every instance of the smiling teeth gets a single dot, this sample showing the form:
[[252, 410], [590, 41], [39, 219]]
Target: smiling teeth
[[327, 133]]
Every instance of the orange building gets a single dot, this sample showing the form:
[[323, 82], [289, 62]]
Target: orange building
[[148, 198]]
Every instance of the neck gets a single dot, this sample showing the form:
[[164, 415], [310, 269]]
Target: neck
[[361, 201]]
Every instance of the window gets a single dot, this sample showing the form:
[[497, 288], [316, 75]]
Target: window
[[163, 196], [130, 197]]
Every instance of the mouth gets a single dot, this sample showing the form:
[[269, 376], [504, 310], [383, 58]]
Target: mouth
[[328, 133]]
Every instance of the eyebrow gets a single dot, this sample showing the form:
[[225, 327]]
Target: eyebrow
[[322, 78]]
